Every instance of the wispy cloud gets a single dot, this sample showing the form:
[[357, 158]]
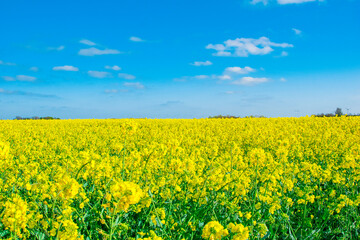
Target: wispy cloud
[[282, 2], [8, 78], [66, 68], [95, 51], [284, 54], [126, 76], [98, 74], [23, 78], [136, 85], [297, 31], [136, 39], [249, 81], [115, 67], [206, 63], [115, 90], [295, 1], [87, 42], [265, 2], [243, 47], [201, 77], [188, 78], [34, 69], [7, 63], [30, 94], [60, 48]]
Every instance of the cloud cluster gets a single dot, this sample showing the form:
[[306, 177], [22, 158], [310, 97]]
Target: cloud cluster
[[231, 74], [239, 70], [115, 68], [243, 47]]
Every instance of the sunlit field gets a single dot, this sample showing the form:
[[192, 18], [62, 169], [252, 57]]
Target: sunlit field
[[277, 178]]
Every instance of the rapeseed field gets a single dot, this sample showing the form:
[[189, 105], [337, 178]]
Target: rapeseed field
[[277, 178]]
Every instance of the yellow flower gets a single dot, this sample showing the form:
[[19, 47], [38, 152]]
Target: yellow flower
[[214, 230]]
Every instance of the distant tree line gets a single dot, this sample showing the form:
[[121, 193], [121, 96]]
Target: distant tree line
[[35, 118], [338, 113]]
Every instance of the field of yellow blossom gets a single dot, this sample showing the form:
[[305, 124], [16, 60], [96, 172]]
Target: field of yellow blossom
[[276, 178]]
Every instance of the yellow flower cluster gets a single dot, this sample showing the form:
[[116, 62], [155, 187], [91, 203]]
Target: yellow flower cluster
[[16, 216], [214, 230], [125, 194], [278, 178]]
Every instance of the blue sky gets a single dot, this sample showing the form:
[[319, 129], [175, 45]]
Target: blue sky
[[178, 59]]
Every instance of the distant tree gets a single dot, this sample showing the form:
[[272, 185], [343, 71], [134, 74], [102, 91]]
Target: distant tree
[[18, 118], [338, 112]]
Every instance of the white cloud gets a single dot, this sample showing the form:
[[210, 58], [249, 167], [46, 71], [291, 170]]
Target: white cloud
[[265, 2], [25, 78], [243, 47], [294, 1], [283, 79], [249, 81], [66, 68], [87, 42], [7, 63], [136, 85], [126, 76], [136, 39], [230, 73], [224, 77], [206, 63], [34, 69], [94, 51], [239, 70], [230, 92], [98, 74], [8, 78], [297, 31], [60, 48], [115, 67]]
